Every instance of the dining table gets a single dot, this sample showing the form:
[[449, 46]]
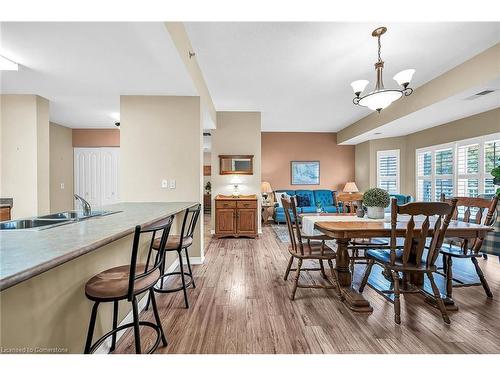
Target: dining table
[[341, 228]]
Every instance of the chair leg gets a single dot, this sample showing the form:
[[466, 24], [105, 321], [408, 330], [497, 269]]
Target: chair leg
[[397, 299], [355, 253], [115, 324], [189, 267], [296, 282], [367, 274], [157, 316], [181, 266], [137, 335], [484, 283], [335, 279], [439, 301], [449, 276], [287, 272], [90, 332], [162, 271], [322, 268]]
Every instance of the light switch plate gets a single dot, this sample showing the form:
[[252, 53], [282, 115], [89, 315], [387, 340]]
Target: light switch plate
[[172, 184], [62, 185], [164, 184]]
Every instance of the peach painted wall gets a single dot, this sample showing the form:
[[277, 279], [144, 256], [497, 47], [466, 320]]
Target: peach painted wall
[[96, 138], [279, 149]]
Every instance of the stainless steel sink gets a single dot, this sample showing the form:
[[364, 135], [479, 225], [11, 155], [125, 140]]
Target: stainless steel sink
[[52, 220], [32, 224], [76, 215]]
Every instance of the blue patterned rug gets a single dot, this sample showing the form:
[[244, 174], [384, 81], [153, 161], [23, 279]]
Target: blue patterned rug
[[281, 232]]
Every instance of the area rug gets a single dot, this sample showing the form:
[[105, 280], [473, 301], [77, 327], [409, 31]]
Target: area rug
[[281, 232]]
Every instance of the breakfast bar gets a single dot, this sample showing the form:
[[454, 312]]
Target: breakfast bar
[[43, 274]]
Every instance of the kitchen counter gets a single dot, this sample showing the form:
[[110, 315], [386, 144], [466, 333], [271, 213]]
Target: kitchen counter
[[6, 202], [28, 253]]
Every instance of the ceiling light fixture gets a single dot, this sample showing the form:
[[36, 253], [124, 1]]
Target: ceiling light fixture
[[381, 97], [8, 64]]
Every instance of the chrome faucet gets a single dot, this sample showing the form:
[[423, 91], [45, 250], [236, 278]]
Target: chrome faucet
[[85, 205]]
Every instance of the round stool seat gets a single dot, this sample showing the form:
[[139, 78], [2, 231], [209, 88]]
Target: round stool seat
[[173, 242], [113, 283]]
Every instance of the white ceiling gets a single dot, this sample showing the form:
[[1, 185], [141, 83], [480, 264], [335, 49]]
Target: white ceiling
[[453, 108], [298, 74], [83, 68]]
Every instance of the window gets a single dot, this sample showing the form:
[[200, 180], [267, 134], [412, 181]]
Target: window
[[388, 171], [457, 169]]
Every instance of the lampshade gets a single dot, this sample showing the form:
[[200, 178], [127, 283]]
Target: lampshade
[[404, 77], [351, 187], [265, 187], [378, 100], [359, 86]]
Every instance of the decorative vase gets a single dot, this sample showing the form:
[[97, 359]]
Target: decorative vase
[[376, 212]]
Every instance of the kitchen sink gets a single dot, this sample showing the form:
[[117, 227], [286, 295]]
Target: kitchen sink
[[76, 215], [52, 220], [32, 224]]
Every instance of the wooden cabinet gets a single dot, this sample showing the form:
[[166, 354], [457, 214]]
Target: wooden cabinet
[[236, 217], [4, 213]]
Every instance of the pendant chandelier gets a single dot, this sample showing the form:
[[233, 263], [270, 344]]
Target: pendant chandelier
[[381, 97]]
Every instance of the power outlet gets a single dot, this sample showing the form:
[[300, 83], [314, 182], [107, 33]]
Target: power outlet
[[164, 184], [172, 184]]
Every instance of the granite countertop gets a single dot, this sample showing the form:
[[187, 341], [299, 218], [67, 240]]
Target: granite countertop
[[6, 202], [27, 253]]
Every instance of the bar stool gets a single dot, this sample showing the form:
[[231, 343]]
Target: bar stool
[[127, 282], [178, 243]]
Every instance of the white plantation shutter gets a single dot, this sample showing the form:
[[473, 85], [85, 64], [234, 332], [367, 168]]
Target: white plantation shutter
[[457, 169], [388, 170]]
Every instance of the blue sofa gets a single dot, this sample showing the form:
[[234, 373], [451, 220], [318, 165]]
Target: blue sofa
[[307, 200], [401, 198]]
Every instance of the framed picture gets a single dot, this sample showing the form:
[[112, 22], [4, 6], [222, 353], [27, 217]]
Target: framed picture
[[305, 172]]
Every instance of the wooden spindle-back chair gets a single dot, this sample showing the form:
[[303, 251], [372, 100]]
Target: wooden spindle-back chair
[[311, 249], [477, 211], [411, 257]]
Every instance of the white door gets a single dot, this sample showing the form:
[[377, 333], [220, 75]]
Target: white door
[[96, 175], [110, 160]]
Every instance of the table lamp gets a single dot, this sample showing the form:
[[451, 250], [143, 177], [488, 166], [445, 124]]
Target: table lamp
[[350, 188], [265, 189]]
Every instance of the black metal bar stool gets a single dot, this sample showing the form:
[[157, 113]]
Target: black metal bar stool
[[179, 243], [127, 282]]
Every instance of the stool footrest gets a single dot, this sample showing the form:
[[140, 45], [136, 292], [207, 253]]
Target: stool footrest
[[163, 290], [99, 342]]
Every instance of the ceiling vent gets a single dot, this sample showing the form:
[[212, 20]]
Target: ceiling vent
[[480, 94]]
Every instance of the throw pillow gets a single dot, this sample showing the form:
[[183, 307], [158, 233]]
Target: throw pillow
[[303, 201]]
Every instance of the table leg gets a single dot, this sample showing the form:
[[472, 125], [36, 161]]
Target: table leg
[[353, 300]]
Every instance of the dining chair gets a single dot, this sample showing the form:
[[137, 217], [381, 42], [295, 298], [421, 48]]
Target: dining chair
[[411, 258], [347, 203], [473, 212], [312, 249]]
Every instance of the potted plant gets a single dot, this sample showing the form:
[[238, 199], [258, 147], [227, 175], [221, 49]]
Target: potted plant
[[376, 199], [495, 172], [208, 187], [318, 207]]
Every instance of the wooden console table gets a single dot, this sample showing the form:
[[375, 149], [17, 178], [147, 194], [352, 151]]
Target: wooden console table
[[236, 216]]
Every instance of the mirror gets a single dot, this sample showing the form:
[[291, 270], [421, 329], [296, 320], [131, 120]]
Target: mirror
[[236, 164]]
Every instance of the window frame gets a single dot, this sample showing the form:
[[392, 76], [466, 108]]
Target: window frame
[[481, 175], [397, 178]]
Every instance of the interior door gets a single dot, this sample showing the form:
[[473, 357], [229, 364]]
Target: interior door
[[110, 161], [87, 173]]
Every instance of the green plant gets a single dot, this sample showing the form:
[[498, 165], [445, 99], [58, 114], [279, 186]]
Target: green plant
[[376, 197], [495, 172], [318, 204], [208, 187]]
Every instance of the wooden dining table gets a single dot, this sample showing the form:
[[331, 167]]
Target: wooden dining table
[[342, 231]]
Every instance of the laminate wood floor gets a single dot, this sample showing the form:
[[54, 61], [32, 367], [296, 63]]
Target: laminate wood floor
[[241, 305]]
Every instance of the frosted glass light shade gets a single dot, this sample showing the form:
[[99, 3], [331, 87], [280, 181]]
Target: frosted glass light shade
[[380, 99], [359, 86], [404, 77], [351, 187]]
